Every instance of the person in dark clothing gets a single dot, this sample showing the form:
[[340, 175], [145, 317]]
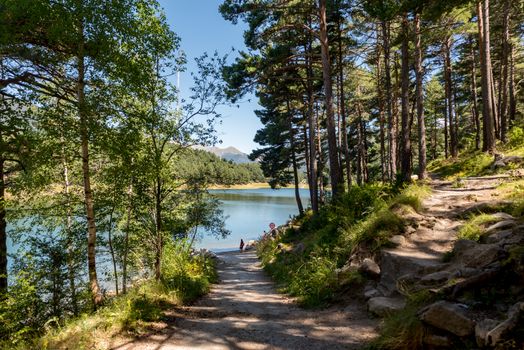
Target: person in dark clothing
[[241, 244]]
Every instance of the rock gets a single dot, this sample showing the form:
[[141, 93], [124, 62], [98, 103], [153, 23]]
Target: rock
[[436, 278], [482, 329], [382, 306], [501, 331], [369, 267], [481, 255], [398, 239], [299, 248], [436, 340], [498, 236], [449, 317], [503, 216], [371, 293], [500, 225], [467, 272]]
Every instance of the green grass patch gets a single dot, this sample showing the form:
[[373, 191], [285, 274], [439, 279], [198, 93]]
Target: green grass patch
[[403, 330], [474, 228]]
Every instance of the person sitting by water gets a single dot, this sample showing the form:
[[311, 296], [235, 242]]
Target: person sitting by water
[[241, 244]]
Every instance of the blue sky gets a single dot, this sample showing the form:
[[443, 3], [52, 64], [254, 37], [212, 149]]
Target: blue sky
[[202, 29]]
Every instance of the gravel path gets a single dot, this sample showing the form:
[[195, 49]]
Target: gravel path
[[244, 311]]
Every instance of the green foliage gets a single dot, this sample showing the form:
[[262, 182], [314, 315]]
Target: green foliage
[[471, 163], [363, 218], [185, 278], [516, 137], [474, 228]]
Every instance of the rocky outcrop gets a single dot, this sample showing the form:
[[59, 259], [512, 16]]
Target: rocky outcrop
[[449, 317]]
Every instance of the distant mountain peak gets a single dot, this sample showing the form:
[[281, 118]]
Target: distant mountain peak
[[228, 153]]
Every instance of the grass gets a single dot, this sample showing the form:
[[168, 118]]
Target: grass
[[363, 219], [403, 330], [477, 163], [474, 228], [185, 279]]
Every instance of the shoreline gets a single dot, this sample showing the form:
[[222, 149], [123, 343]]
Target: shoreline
[[250, 186]]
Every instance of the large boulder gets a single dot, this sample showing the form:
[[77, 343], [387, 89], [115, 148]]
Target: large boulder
[[449, 317], [383, 306], [370, 268], [475, 255]]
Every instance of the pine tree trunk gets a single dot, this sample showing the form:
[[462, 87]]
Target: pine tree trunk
[[420, 102], [392, 142], [488, 142], [449, 97], [337, 183], [312, 124], [505, 71], [511, 90], [111, 250], [380, 97], [3, 232], [294, 161], [344, 129], [474, 107], [405, 158]]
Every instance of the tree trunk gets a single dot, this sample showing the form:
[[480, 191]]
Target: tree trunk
[[126, 238], [392, 142], [111, 250], [380, 96], [420, 103], [512, 100], [406, 142], [294, 161], [449, 97], [158, 221], [96, 295], [69, 233], [474, 109], [488, 142], [312, 124], [3, 233], [344, 129], [505, 71], [337, 183]]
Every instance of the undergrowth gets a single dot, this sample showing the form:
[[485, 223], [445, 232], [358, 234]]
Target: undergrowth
[[477, 163], [185, 278], [365, 218]]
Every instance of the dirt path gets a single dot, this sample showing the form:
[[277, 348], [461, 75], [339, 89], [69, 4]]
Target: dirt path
[[434, 232], [244, 311]]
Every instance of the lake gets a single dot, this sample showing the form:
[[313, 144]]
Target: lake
[[249, 213]]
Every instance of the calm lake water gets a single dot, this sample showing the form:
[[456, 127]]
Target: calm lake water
[[250, 212]]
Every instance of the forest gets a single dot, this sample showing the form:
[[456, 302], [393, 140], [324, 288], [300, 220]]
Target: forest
[[97, 149], [364, 91]]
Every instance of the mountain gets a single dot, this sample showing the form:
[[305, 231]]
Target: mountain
[[229, 153]]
